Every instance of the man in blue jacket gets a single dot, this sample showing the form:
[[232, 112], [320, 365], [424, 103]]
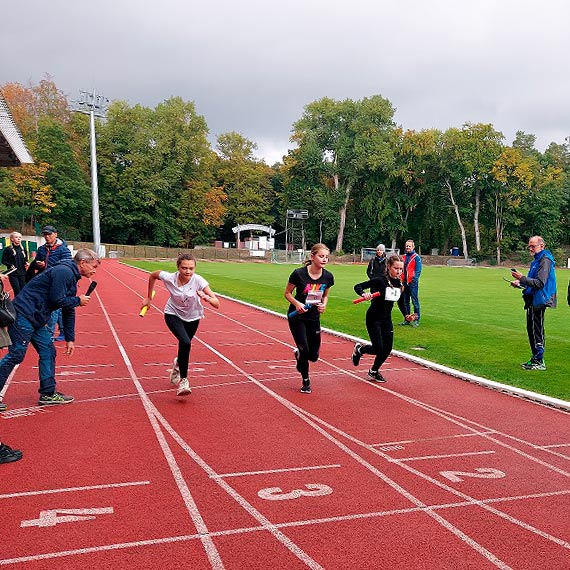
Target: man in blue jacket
[[539, 292], [55, 288], [49, 255]]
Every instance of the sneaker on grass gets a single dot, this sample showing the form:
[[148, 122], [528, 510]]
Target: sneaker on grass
[[7, 454], [175, 372], [54, 399], [356, 354], [183, 388], [534, 365], [375, 376], [306, 387]]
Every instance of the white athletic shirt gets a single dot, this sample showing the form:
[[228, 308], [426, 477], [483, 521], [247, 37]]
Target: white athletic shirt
[[184, 301]]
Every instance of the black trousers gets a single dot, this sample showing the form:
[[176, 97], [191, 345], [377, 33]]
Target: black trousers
[[535, 331], [307, 337], [17, 282], [184, 331], [381, 333]]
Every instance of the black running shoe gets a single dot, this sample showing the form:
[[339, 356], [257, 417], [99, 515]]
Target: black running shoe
[[306, 387], [375, 376], [7, 454], [356, 354]]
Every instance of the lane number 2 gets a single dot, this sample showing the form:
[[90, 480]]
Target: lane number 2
[[277, 494], [480, 473]]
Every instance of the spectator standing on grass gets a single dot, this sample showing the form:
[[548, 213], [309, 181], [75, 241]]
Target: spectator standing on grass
[[377, 265], [52, 252], [311, 284], [410, 279], [54, 289], [183, 311], [539, 293], [379, 316], [16, 257]]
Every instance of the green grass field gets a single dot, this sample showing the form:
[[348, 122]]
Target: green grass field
[[471, 319]]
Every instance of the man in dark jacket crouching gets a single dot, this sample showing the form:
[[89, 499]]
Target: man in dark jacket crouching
[[54, 289]]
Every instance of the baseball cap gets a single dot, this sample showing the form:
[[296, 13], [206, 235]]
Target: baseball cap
[[49, 230]]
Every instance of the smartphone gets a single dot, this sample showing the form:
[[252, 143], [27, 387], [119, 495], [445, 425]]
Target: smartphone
[[514, 270], [8, 271]]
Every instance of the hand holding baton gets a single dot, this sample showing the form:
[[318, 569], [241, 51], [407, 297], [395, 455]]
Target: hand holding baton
[[361, 299], [145, 308], [295, 312]]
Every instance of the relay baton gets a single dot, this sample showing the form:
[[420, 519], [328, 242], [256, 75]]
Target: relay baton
[[145, 308], [295, 312], [360, 299], [91, 288]]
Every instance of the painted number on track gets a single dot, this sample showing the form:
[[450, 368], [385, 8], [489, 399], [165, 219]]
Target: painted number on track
[[277, 494], [56, 516], [480, 473]]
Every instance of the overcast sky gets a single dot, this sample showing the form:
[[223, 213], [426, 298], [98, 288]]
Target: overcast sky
[[252, 65]]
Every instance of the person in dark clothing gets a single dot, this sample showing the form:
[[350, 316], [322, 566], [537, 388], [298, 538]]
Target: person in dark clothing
[[52, 252], [539, 293], [379, 316], [55, 288], [15, 256], [377, 265], [311, 284]]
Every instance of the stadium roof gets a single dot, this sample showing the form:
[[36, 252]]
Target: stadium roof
[[13, 151]]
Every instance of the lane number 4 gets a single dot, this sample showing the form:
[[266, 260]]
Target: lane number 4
[[56, 516]]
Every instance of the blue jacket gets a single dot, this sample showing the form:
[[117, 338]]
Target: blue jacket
[[55, 288], [53, 255], [540, 283]]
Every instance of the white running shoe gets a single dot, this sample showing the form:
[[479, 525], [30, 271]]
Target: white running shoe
[[183, 388], [175, 373]]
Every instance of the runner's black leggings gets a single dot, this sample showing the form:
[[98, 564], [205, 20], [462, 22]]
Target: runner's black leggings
[[307, 337], [184, 331], [381, 333]]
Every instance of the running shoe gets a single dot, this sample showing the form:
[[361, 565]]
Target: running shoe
[[306, 387], [356, 354], [534, 365], [183, 388], [175, 372], [7, 454], [375, 376], [54, 399], [3, 407]]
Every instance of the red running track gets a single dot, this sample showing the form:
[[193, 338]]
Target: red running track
[[423, 472]]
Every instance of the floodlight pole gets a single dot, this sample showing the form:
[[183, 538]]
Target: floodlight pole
[[93, 105]]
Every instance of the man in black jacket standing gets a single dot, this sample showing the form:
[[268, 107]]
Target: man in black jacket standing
[[54, 289]]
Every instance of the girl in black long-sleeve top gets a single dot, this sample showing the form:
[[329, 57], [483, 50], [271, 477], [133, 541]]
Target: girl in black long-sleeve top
[[379, 316]]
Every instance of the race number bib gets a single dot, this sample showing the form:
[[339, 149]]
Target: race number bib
[[392, 293], [314, 294]]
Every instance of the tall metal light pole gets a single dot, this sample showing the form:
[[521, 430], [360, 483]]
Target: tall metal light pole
[[95, 106]]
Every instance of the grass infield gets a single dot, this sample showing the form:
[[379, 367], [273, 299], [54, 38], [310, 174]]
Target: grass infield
[[472, 320]]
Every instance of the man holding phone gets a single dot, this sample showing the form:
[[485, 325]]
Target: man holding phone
[[539, 293]]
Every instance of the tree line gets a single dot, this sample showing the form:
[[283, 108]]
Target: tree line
[[362, 178]]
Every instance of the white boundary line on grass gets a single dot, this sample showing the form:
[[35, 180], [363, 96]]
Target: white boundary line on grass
[[511, 390]]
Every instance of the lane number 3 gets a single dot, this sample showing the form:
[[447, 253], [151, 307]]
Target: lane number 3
[[277, 494]]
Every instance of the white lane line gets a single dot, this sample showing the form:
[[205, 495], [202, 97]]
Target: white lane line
[[466, 454], [192, 508], [73, 489], [426, 439], [300, 413], [245, 530], [287, 470]]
